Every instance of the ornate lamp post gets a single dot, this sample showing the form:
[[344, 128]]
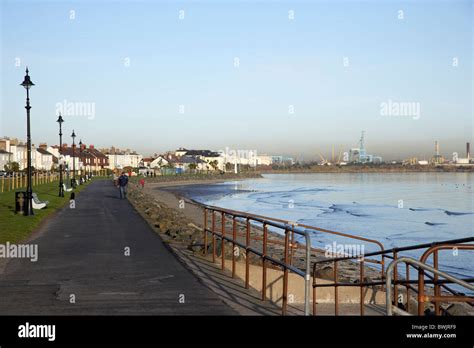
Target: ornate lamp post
[[27, 83], [61, 183], [80, 163], [73, 180]]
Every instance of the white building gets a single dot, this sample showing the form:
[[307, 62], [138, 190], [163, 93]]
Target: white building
[[20, 155], [158, 162], [264, 160], [240, 157], [5, 158], [43, 159], [209, 160], [120, 161], [40, 158]]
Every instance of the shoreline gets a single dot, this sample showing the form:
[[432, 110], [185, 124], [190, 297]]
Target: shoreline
[[179, 222], [184, 210], [466, 168]]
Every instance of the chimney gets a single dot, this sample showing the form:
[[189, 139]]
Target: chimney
[[91, 147], [83, 146], [468, 151], [43, 146], [65, 145]]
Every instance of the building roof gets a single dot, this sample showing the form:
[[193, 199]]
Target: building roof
[[5, 152], [44, 152], [186, 159], [203, 153]]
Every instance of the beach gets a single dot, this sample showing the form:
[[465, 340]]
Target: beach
[[180, 221], [171, 207]]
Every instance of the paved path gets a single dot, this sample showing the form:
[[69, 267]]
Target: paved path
[[82, 253]]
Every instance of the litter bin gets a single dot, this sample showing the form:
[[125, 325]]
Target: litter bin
[[21, 203]]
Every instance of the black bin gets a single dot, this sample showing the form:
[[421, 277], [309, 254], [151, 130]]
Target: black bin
[[21, 203]]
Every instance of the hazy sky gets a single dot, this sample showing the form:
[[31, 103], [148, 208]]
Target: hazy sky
[[277, 76]]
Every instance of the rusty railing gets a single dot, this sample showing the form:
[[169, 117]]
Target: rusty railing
[[421, 293], [265, 224], [431, 248], [438, 297], [289, 229]]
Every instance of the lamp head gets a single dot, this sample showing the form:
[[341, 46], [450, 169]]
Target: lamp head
[[60, 119], [27, 83]]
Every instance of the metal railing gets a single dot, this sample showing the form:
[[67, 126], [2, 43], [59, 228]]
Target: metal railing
[[362, 284], [289, 229], [421, 295], [286, 265], [437, 298]]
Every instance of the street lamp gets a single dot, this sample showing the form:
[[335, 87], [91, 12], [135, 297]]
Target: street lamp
[[73, 180], [27, 83], [80, 163], [61, 183]]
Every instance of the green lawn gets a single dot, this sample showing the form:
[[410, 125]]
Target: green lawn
[[17, 227]]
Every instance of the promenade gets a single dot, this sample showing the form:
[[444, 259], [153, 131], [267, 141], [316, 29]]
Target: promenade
[[102, 258]]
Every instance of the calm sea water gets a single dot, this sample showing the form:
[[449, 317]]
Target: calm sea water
[[395, 209]]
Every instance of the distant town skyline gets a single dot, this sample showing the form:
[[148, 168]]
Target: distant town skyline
[[284, 78]]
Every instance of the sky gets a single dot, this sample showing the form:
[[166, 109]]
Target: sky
[[280, 77]]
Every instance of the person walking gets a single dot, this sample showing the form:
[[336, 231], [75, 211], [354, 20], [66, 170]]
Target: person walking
[[122, 183]]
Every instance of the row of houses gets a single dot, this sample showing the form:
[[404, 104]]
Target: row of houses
[[47, 158], [120, 159], [12, 150], [79, 157], [88, 158], [82, 158], [183, 160]]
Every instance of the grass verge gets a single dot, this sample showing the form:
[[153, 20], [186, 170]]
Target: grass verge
[[17, 227]]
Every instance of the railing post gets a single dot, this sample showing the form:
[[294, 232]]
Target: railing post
[[285, 274], [314, 295], [264, 263], [234, 237], [336, 291], [362, 297], [307, 289], [395, 278], [383, 269], [205, 231], [222, 240], [247, 261], [408, 286], [436, 286], [213, 236], [291, 245]]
